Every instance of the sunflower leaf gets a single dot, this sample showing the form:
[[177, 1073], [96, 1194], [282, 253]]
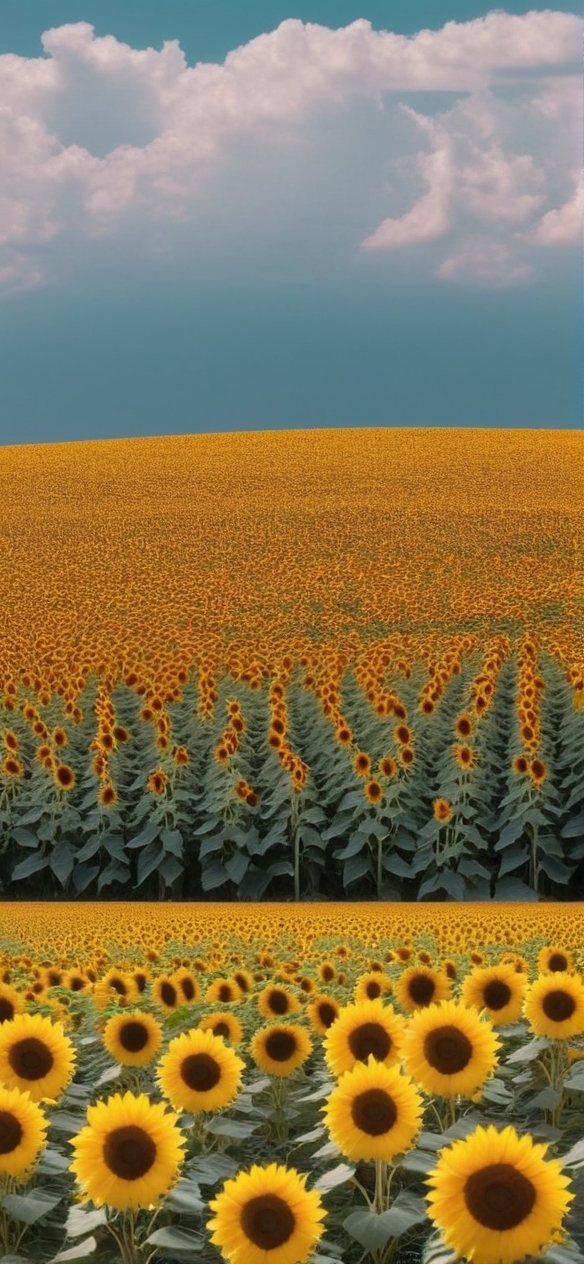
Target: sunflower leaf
[[80, 1221], [176, 1239], [78, 1252], [29, 1208], [337, 1176], [235, 1128]]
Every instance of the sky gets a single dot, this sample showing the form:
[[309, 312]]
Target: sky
[[219, 216]]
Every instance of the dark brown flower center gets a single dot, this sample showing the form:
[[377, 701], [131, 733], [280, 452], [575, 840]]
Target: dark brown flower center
[[30, 1058], [373, 989], [200, 1072], [129, 1152], [447, 1049], [225, 993], [133, 1036], [557, 961], [188, 989], [10, 1132], [327, 1013], [558, 1005], [221, 1029], [421, 988], [278, 1001], [6, 1010], [374, 1112], [280, 1045], [499, 1197], [118, 986], [267, 1221], [369, 1038], [496, 994], [168, 994]]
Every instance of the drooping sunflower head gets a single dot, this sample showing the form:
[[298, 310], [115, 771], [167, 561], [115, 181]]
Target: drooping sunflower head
[[374, 1112], [266, 1214], [199, 1072], [495, 1198], [363, 1028], [279, 1048], [419, 986], [22, 1133], [133, 1038], [449, 1049], [35, 1056], [499, 989], [129, 1154], [554, 1005]]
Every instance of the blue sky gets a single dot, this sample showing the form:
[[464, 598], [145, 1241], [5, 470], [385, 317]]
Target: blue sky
[[288, 215]]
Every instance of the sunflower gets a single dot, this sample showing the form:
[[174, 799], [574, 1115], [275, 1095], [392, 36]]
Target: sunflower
[[115, 987], [266, 1214], [371, 985], [495, 1198], [274, 1002], [223, 1024], [373, 791], [166, 994], [133, 1038], [35, 1056], [22, 1133], [279, 1048], [188, 987], [442, 810], [129, 1154], [322, 1012], [199, 1072], [554, 1005], [223, 992], [374, 1112], [419, 986], [360, 1029], [11, 1003], [449, 1048], [553, 959], [499, 989]]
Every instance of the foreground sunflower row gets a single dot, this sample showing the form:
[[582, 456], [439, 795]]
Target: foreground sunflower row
[[446, 1094]]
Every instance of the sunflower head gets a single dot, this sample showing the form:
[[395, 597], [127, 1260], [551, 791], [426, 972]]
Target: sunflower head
[[199, 1072], [279, 1048], [374, 1112], [554, 1005], [22, 1133], [360, 1029], [35, 1056], [129, 1154], [420, 985], [133, 1038], [450, 1049], [266, 1214]]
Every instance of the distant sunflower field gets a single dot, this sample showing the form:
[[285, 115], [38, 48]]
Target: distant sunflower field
[[293, 665], [339, 1084]]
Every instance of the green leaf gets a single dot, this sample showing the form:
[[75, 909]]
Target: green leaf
[[235, 1128], [81, 1221], [61, 862], [78, 1252], [374, 1231], [513, 858], [28, 1208], [357, 843], [176, 1239], [26, 868], [172, 841], [170, 868], [337, 1176], [25, 837], [355, 868], [237, 866], [151, 831], [516, 891], [148, 861], [89, 849], [83, 875], [185, 1197], [113, 873], [210, 1168], [214, 876], [555, 869], [574, 828]]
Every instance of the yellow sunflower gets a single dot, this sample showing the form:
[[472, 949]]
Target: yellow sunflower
[[166, 994], [360, 1029], [419, 986], [22, 1133], [11, 1003], [449, 1048], [266, 1215], [274, 1002], [280, 1047], [554, 1005], [322, 1012], [500, 989], [224, 1024], [374, 1112], [223, 992], [35, 1056], [129, 1154], [115, 987], [553, 959], [187, 985], [133, 1038], [495, 1198], [199, 1072], [371, 985]]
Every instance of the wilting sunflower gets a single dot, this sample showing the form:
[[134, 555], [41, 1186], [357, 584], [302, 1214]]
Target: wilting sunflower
[[495, 1198], [199, 1072], [322, 1012], [554, 1005], [360, 1029], [499, 989], [554, 959], [450, 1049], [280, 1048], [22, 1132], [371, 985], [224, 1024], [133, 1038], [35, 1056], [11, 1003], [419, 986], [129, 1154], [274, 1002], [374, 1112], [266, 1215]]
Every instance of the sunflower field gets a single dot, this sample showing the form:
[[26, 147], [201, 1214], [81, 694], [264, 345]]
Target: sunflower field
[[339, 1084], [293, 665]]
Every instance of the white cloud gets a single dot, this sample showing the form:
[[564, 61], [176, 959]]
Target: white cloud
[[278, 150], [484, 261], [562, 227]]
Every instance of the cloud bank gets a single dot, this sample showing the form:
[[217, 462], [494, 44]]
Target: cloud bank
[[454, 153]]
